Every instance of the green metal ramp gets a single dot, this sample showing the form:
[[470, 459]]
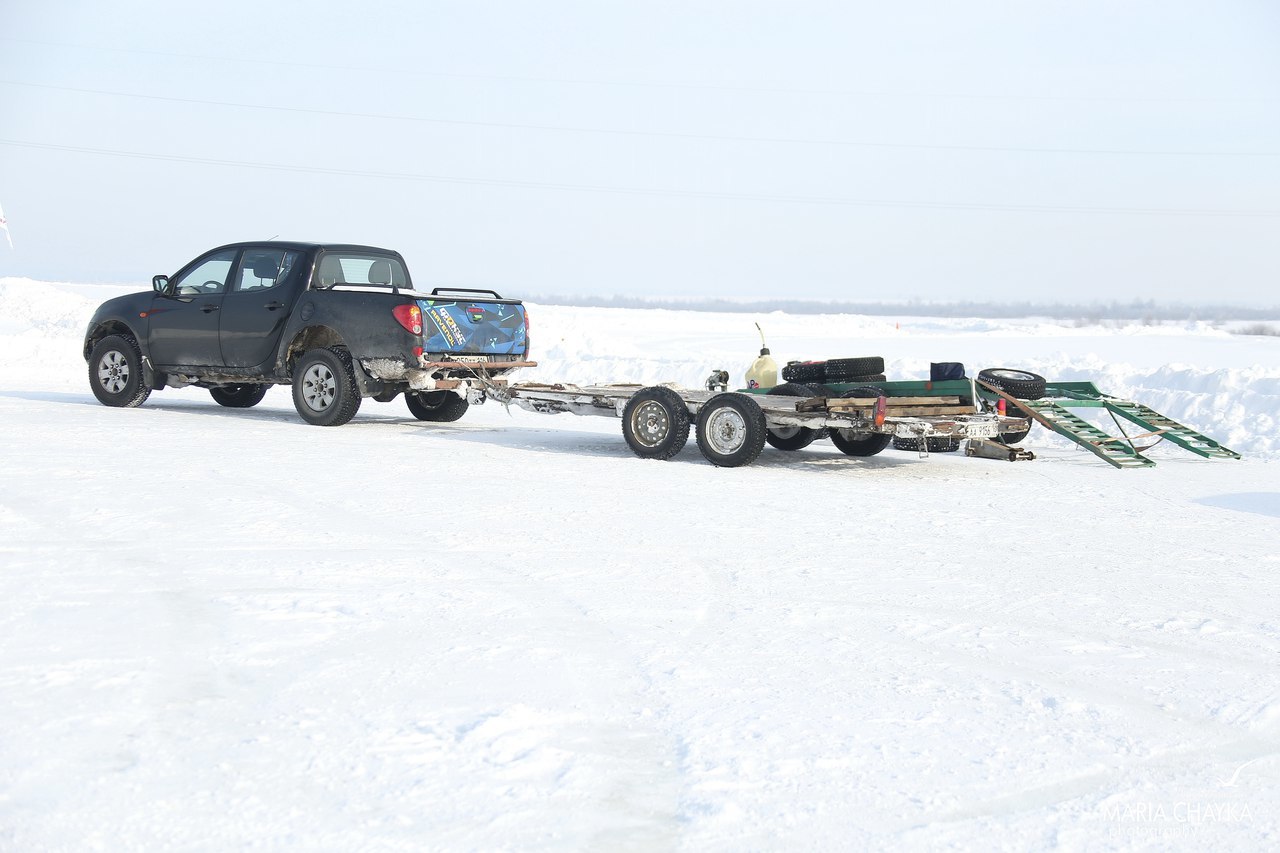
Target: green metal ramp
[[1116, 451], [1158, 424], [1053, 412]]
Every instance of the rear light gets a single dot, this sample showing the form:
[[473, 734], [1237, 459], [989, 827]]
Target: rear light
[[881, 407], [409, 316], [526, 334], [1001, 406]]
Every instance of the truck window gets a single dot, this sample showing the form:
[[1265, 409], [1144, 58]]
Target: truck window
[[261, 269], [367, 270], [207, 276]]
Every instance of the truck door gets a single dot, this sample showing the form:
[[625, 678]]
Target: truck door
[[255, 309], [183, 323]]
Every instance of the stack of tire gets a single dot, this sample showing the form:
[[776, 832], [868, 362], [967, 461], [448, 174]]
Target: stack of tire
[[843, 370]]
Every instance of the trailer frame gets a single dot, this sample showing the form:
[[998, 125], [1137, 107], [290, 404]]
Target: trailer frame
[[732, 426]]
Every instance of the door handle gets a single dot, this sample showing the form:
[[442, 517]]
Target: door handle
[[272, 306], [209, 308]]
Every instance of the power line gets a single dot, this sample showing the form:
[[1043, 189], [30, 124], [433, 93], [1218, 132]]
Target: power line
[[647, 84], [646, 133], [669, 193]]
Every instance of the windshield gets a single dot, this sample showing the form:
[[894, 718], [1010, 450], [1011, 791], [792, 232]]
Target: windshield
[[360, 269]]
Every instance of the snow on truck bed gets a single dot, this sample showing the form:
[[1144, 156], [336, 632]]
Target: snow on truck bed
[[225, 629]]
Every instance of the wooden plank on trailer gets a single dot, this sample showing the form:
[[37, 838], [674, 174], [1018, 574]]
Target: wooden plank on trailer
[[926, 411], [860, 402]]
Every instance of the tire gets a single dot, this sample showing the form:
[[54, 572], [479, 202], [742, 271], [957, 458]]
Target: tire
[[436, 406], [1016, 383], [793, 438], [731, 429], [859, 444], [238, 396], [1014, 437], [849, 369], [655, 423], [805, 371], [932, 444], [852, 443], [324, 387], [115, 372]]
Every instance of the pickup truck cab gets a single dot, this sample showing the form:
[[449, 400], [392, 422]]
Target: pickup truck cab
[[338, 322]]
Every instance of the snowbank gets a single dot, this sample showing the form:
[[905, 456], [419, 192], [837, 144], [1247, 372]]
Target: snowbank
[[225, 629]]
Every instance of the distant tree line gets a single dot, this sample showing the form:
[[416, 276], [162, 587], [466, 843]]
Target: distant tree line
[[1138, 310]]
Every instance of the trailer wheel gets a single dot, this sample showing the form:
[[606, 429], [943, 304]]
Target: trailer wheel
[[1016, 383], [853, 443], [655, 423], [1014, 437], [850, 369], [731, 429], [793, 437], [932, 443]]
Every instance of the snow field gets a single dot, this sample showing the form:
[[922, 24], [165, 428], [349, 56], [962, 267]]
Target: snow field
[[227, 629]]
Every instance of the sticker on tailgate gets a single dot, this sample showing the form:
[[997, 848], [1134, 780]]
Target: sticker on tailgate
[[479, 328]]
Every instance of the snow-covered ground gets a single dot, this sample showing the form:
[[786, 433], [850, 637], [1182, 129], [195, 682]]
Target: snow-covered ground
[[229, 630]]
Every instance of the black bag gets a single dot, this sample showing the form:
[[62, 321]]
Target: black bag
[[940, 371]]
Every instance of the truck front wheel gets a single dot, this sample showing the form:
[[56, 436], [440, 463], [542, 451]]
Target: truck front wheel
[[115, 372], [324, 387]]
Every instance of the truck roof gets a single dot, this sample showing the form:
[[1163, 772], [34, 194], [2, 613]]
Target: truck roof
[[305, 246]]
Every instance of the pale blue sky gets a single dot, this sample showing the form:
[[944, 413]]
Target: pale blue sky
[[1071, 151]]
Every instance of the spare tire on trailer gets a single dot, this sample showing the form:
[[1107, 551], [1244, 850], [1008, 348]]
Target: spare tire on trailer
[[805, 371], [731, 429], [793, 437], [851, 369], [655, 423], [1016, 383]]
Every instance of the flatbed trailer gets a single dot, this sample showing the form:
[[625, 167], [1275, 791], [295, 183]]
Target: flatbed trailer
[[732, 427]]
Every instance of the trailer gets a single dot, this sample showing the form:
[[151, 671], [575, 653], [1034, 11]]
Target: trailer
[[732, 427]]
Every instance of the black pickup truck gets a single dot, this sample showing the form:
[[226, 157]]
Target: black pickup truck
[[338, 322]]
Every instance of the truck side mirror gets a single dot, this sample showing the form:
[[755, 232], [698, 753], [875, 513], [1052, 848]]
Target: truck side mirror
[[160, 283]]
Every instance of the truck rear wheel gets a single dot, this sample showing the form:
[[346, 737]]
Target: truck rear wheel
[[655, 423], [793, 437], [324, 387], [731, 429], [437, 406]]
